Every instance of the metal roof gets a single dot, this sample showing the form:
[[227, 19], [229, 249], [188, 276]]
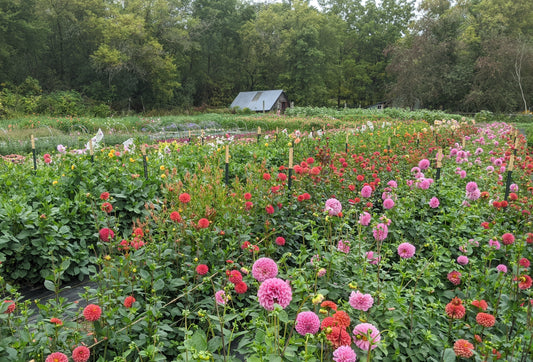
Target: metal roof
[[254, 100]]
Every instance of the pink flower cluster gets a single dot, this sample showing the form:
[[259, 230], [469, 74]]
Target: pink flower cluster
[[274, 290], [361, 301], [264, 268]]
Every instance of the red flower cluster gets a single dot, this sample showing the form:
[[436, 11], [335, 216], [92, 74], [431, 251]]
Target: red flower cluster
[[454, 277], [106, 234], [463, 348], [128, 301], [184, 198], [92, 312], [56, 321], [455, 309], [280, 241], [202, 269], [175, 216], [104, 196], [507, 239], [524, 282], [335, 326], [203, 223], [11, 306], [481, 304]]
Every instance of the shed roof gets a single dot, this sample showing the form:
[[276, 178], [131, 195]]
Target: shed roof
[[254, 100]]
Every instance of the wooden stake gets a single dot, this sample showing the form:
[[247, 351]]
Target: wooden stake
[[32, 142], [291, 153]]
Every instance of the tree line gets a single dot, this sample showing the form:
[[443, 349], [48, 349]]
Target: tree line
[[143, 55]]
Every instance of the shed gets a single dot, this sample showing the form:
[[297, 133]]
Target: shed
[[258, 101]]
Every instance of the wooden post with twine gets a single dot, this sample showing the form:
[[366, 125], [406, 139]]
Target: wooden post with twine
[[91, 149], [227, 166], [258, 133], [439, 163], [291, 154], [145, 164], [346, 148], [34, 154], [510, 168]]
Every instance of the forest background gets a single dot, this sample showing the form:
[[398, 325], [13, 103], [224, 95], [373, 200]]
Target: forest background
[[109, 57]]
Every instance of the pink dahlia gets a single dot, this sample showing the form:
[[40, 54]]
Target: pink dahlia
[[274, 290], [92, 312], [434, 203], [380, 232], [202, 269], [463, 348], [81, 354], [507, 239], [364, 218], [333, 207], [344, 354], [502, 268], [280, 240], [462, 260], [343, 246], [423, 164], [406, 250], [57, 357], [366, 191], [471, 187], [366, 336], [221, 298], [264, 268], [454, 277], [361, 301], [307, 322], [388, 204]]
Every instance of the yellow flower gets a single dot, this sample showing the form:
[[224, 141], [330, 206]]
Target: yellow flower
[[55, 182], [289, 144], [72, 167], [162, 168], [110, 154], [163, 175], [107, 257], [132, 160], [318, 299], [266, 144], [134, 270]]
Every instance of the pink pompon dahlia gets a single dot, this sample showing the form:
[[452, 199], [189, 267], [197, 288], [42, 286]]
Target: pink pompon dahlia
[[366, 336], [92, 312], [344, 354], [274, 290], [221, 298], [361, 301], [406, 250], [333, 207], [307, 322], [81, 354], [463, 348], [57, 357], [380, 232], [264, 268], [106, 234]]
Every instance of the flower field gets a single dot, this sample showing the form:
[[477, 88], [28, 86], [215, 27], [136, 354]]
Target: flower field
[[376, 240]]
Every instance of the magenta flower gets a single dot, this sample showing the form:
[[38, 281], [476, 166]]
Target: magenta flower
[[366, 191], [471, 186], [392, 184], [264, 268], [344, 354], [388, 204], [307, 322], [380, 232], [434, 203], [274, 290], [371, 258], [364, 218], [366, 336], [423, 164], [502, 268], [474, 195], [462, 259], [333, 207], [361, 301], [406, 250], [495, 244]]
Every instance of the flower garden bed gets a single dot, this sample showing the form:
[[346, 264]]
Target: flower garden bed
[[363, 244]]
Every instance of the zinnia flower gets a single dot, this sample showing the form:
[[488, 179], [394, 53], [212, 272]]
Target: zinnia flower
[[264, 268], [92, 312], [106, 234], [307, 322], [333, 207], [202, 269], [81, 354], [485, 319], [366, 336], [57, 357], [274, 290], [406, 250], [344, 354], [455, 309], [361, 301], [184, 198], [463, 348], [128, 301]]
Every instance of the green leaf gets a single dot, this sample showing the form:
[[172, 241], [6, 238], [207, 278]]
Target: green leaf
[[159, 284], [214, 344], [449, 355], [199, 340], [48, 284]]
